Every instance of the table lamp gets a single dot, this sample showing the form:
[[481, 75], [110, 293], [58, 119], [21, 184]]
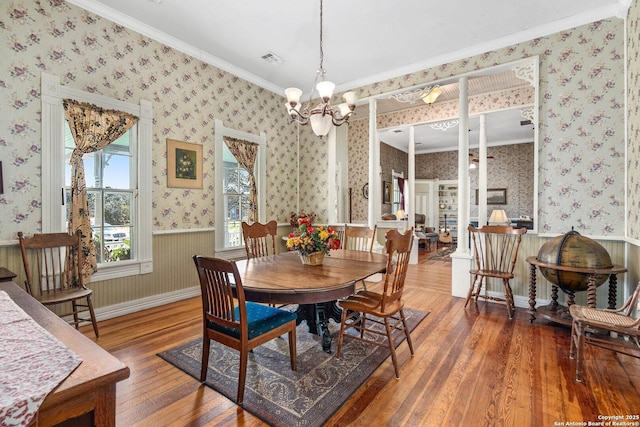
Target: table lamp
[[499, 217]]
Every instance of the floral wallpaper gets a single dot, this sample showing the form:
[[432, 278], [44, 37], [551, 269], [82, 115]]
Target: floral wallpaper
[[581, 124], [95, 55], [633, 108], [582, 151]]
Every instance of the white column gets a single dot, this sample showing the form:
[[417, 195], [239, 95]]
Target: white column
[[463, 167], [461, 258], [332, 196], [410, 199], [482, 173], [375, 184]]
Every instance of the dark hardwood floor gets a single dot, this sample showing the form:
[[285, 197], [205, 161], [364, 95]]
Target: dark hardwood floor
[[473, 367]]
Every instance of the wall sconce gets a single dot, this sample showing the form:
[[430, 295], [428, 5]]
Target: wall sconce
[[499, 217]]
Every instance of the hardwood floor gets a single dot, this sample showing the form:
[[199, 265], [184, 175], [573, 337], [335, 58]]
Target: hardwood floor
[[472, 367]]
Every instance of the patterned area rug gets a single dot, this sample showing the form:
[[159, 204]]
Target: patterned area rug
[[443, 255], [275, 393]]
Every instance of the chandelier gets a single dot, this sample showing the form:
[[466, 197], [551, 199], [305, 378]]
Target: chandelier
[[323, 115]]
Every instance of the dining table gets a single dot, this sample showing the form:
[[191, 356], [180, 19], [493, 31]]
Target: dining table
[[283, 279]]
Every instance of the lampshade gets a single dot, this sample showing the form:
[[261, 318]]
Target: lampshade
[[350, 98], [293, 95], [325, 89], [499, 217], [320, 124], [400, 214]]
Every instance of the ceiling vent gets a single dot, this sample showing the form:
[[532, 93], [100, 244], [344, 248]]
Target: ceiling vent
[[272, 58]]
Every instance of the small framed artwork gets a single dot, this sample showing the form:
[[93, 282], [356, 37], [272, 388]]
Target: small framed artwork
[[184, 164], [495, 196], [386, 192]]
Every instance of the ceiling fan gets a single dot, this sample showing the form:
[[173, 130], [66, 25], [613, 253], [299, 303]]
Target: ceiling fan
[[475, 159]]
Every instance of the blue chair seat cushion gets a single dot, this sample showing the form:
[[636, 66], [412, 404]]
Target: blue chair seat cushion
[[260, 319]]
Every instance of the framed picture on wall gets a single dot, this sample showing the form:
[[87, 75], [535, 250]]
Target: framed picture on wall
[[495, 196], [184, 164], [386, 192]]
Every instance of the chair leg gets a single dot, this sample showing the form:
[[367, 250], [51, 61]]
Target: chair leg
[[205, 357], [74, 308], [392, 349], [572, 345], [292, 348], [579, 350], [508, 297], [406, 332], [471, 289], [343, 322], [93, 317], [242, 375]]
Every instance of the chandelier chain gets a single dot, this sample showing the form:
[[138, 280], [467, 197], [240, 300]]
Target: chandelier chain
[[321, 70]]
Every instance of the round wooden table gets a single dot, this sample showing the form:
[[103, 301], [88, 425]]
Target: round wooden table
[[559, 313], [283, 279]]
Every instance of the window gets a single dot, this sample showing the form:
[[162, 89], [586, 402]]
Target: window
[[110, 177], [118, 182], [232, 191]]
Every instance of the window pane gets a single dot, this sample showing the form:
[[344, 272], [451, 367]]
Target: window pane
[[116, 171]]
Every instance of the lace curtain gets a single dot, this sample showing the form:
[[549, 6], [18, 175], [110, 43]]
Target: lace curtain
[[92, 128], [246, 153]]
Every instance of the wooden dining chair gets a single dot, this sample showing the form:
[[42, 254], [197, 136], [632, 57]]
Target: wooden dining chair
[[52, 264], [614, 329], [366, 307], [495, 251], [359, 238], [259, 237], [234, 322]]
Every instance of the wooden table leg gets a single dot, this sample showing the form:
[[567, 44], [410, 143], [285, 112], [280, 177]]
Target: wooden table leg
[[613, 289], [532, 293]]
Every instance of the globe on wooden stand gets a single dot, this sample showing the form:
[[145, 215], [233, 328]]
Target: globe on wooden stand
[[573, 263]]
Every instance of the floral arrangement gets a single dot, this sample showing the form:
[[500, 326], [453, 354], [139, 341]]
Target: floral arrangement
[[302, 216], [311, 239]]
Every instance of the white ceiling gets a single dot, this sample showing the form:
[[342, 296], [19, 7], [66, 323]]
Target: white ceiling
[[364, 40]]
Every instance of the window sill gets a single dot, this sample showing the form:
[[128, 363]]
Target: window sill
[[120, 269]]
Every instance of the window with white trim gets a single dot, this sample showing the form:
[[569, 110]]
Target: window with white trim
[[110, 176], [118, 181], [232, 190]]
